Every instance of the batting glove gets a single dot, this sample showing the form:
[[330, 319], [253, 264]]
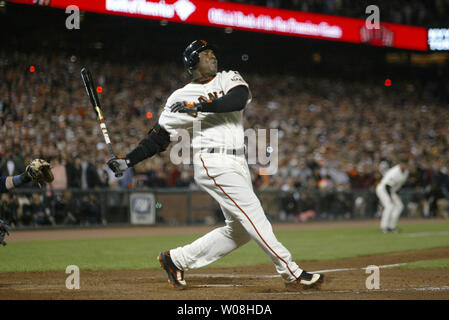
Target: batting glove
[[184, 107], [118, 165]]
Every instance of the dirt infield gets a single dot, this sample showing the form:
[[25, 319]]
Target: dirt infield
[[245, 283], [344, 278]]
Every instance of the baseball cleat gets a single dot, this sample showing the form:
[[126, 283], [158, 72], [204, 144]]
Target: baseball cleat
[[306, 281], [175, 275]]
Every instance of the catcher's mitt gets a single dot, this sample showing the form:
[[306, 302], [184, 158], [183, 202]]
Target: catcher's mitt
[[4, 228], [39, 171]]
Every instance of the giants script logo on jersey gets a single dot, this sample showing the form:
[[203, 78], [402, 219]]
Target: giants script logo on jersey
[[211, 96]]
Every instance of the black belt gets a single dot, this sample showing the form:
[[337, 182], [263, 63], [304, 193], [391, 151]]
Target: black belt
[[235, 152]]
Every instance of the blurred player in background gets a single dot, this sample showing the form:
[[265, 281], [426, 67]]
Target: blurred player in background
[[387, 190]]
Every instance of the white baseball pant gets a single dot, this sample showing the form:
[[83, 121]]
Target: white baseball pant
[[228, 180], [392, 207]]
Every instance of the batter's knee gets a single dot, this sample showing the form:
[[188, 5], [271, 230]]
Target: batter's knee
[[236, 232], [242, 238]]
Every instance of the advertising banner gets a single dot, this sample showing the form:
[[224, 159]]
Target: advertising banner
[[255, 18], [142, 207]]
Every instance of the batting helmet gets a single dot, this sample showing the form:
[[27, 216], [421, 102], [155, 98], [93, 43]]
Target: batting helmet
[[191, 53]]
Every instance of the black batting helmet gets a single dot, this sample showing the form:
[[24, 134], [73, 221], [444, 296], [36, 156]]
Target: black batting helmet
[[191, 53]]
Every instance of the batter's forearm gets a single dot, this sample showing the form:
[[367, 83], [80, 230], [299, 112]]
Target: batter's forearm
[[157, 140], [140, 153], [235, 100]]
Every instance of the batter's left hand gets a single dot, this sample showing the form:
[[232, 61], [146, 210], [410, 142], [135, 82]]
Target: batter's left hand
[[117, 165], [184, 107]]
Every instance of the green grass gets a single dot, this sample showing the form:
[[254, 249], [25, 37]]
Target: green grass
[[427, 264], [141, 252]]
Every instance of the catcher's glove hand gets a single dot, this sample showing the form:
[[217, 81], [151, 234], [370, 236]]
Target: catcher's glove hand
[[185, 107], [4, 228], [39, 171]]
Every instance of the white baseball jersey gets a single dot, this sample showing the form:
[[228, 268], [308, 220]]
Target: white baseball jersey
[[226, 178], [395, 178], [392, 203], [217, 129]]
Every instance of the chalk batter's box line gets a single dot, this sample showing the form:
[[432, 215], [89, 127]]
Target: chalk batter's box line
[[423, 289], [223, 275]]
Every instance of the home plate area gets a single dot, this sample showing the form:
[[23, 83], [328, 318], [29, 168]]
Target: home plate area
[[344, 279]]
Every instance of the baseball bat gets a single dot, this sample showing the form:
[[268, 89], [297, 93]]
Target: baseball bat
[[95, 101]]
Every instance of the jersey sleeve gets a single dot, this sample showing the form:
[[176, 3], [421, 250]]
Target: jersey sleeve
[[232, 79], [3, 185]]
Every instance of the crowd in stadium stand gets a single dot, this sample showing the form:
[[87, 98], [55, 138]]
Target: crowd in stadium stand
[[332, 134], [415, 12]]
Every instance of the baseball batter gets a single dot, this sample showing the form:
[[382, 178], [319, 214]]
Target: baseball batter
[[386, 191], [215, 102]]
